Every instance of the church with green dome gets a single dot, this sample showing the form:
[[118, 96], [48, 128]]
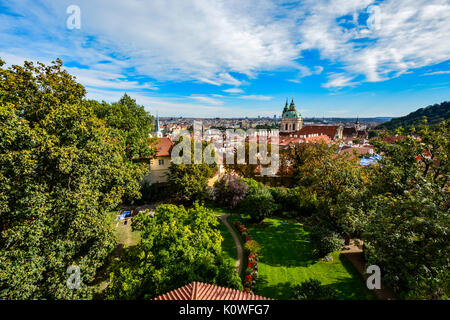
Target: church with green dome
[[291, 119]]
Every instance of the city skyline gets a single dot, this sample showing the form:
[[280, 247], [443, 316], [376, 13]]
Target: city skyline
[[337, 59]]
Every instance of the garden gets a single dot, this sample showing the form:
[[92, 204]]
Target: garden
[[286, 259]]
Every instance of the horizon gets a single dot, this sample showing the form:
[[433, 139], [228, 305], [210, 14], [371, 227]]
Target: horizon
[[206, 60]]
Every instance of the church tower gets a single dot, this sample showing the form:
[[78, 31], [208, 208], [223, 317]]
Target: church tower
[[291, 119], [357, 125], [157, 132]]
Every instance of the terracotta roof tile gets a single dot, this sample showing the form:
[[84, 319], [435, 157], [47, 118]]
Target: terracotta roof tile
[[205, 291], [163, 147]]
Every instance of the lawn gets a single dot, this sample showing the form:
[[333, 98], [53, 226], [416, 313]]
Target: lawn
[[228, 246], [124, 234], [286, 260]]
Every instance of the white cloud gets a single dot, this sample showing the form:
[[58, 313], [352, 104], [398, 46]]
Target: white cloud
[[408, 35], [339, 80], [212, 41], [101, 79], [233, 90], [436, 72], [256, 97], [206, 99]]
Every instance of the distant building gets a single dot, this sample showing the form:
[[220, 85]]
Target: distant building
[[291, 119], [159, 166], [157, 132]]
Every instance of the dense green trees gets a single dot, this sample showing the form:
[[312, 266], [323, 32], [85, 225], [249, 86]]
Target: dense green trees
[[399, 207], [61, 171], [435, 114], [189, 181], [407, 234], [131, 124], [177, 246], [229, 191], [258, 203]]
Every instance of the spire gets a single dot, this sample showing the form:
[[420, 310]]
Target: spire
[[157, 129], [292, 106], [286, 108]]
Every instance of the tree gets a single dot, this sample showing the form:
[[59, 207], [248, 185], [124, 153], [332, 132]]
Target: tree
[[230, 191], [313, 289], [178, 246], [61, 171], [132, 124], [407, 234], [259, 204], [189, 181], [408, 238]]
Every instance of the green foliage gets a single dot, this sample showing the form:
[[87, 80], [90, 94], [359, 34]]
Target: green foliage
[[131, 123], [252, 247], [152, 192], [259, 203], [408, 238], [189, 182], [313, 289], [61, 171], [230, 191], [407, 233], [325, 241], [177, 246], [434, 113]]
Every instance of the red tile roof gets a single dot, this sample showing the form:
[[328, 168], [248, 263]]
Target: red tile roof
[[204, 291], [330, 131], [163, 147], [321, 138]]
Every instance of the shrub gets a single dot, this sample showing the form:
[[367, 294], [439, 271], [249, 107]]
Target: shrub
[[259, 204], [288, 200], [252, 185], [230, 191], [252, 247], [153, 192], [325, 241], [313, 289]]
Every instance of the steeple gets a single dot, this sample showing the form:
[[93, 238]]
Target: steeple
[[157, 128], [357, 126], [286, 108], [292, 106]]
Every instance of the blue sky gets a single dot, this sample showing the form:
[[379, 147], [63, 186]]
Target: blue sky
[[337, 58]]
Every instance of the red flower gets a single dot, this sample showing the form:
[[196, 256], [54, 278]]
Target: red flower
[[251, 256], [250, 265]]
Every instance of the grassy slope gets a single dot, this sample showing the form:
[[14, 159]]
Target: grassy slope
[[287, 260], [228, 245]]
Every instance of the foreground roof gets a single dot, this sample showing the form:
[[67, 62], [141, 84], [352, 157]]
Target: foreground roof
[[205, 291], [163, 147]]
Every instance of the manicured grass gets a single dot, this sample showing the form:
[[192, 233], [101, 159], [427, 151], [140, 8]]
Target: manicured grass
[[228, 246], [286, 259], [124, 234]]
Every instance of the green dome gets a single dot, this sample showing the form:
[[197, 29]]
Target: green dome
[[291, 114]]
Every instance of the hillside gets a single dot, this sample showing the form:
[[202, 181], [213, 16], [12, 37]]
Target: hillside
[[434, 113]]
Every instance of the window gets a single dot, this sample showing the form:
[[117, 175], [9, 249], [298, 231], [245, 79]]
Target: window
[[293, 127], [286, 127], [161, 162]]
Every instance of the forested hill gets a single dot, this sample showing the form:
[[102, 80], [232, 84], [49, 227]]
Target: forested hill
[[434, 113]]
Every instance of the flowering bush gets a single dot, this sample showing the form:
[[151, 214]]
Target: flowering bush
[[251, 272]]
